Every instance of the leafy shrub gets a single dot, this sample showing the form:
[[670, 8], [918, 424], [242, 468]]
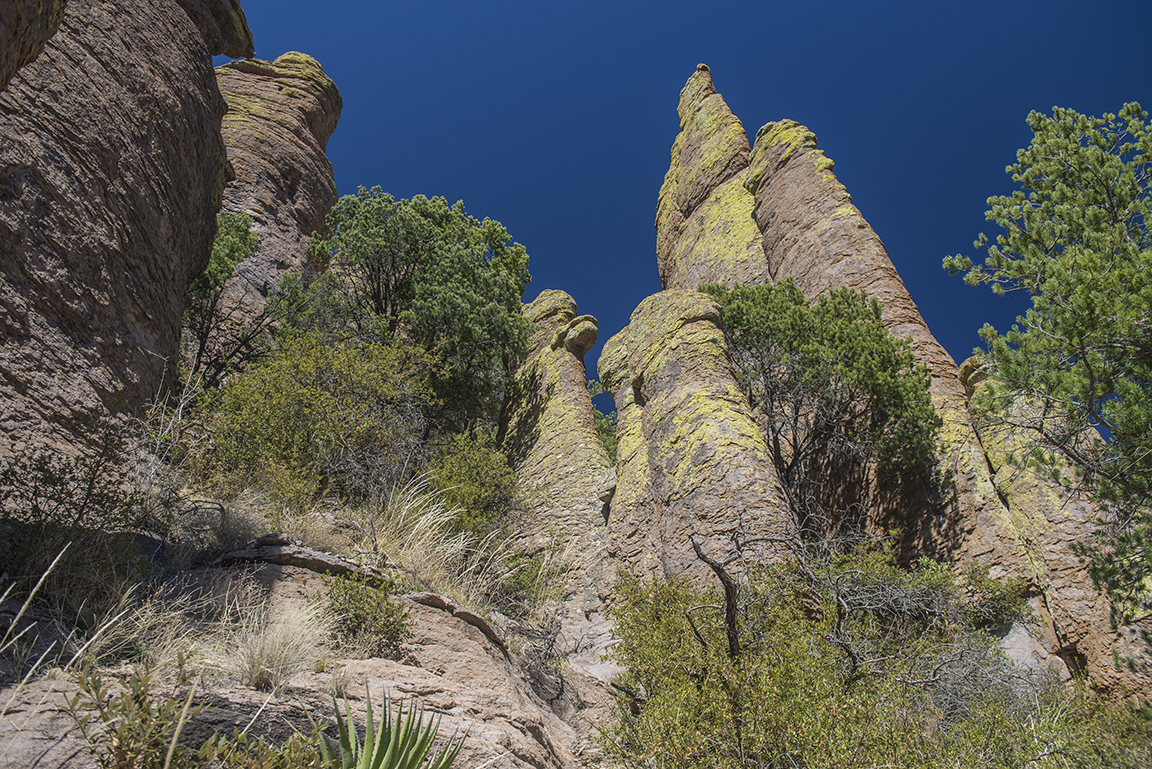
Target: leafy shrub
[[839, 661], [206, 332], [474, 477], [132, 729], [836, 395], [605, 423], [337, 417], [364, 615]]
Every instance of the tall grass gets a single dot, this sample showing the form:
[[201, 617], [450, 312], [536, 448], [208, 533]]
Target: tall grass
[[413, 529], [261, 645]]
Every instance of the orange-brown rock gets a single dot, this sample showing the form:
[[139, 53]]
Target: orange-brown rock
[[280, 116], [111, 172], [561, 463], [691, 461], [25, 25]]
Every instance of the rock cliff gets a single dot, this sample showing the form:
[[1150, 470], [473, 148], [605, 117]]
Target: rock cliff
[[111, 173], [280, 116], [689, 457]]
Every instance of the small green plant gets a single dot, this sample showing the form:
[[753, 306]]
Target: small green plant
[[400, 744], [364, 615], [605, 423], [324, 417], [245, 751], [132, 729]]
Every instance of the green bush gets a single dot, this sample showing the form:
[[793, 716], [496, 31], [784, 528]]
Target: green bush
[[365, 617], [844, 661], [838, 397], [335, 417], [475, 477]]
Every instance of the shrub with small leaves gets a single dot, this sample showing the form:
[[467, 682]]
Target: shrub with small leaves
[[365, 616], [339, 417], [475, 477]]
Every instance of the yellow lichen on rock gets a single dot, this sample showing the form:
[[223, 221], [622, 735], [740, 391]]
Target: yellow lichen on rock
[[691, 460]]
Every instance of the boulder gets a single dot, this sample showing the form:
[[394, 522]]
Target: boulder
[[111, 173], [280, 116]]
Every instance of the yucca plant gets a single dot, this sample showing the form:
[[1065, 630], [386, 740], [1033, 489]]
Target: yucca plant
[[400, 744]]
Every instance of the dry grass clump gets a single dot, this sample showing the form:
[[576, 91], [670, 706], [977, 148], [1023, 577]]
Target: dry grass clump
[[413, 529], [261, 645]]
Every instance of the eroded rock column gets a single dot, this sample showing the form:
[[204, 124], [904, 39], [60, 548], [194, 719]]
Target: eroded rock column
[[691, 461], [280, 116], [564, 472]]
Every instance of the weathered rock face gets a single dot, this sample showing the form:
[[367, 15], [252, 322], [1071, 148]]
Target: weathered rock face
[[280, 116], [111, 172], [25, 25], [691, 461], [561, 465], [705, 231], [223, 26], [1076, 622], [733, 216]]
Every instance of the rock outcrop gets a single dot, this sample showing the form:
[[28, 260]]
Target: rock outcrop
[[691, 461], [732, 215], [1076, 622], [561, 464], [280, 116], [111, 173], [25, 26], [705, 231]]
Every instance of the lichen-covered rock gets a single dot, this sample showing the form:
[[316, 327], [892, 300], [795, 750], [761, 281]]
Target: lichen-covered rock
[[691, 461], [705, 231], [1076, 620], [25, 25], [111, 172], [970, 507], [560, 463], [280, 116]]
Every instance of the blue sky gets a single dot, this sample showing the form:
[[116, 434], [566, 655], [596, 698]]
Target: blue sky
[[557, 119]]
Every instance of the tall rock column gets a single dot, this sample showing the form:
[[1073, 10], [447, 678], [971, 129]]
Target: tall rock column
[[280, 116], [111, 173], [974, 506], [564, 471], [813, 234], [691, 461]]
